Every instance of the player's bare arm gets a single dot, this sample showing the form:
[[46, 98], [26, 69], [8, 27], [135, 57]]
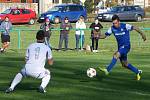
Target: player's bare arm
[[26, 59], [140, 32], [50, 61], [102, 36]]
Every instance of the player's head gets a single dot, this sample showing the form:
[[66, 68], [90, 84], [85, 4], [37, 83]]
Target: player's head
[[116, 21], [40, 36]]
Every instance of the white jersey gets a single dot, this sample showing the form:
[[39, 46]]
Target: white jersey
[[36, 55], [80, 25]]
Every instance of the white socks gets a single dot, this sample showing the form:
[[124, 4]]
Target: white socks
[[45, 81], [16, 80], [1, 49], [19, 77]]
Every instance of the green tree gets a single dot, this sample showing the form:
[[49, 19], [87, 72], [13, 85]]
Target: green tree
[[71, 1], [89, 6]]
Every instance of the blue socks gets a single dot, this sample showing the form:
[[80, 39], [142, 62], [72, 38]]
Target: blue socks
[[132, 68], [113, 62], [111, 65]]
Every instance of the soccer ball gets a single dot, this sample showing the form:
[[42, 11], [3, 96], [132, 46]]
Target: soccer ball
[[91, 72]]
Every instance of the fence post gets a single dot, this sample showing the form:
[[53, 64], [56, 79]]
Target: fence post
[[19, 39], [139, 40]]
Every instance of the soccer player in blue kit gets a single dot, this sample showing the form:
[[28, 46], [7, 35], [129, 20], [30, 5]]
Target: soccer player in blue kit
[[122, 35]]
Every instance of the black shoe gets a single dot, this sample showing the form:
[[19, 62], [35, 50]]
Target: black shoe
[[9, 90], [2, 51], [41, 90], [66, 49]]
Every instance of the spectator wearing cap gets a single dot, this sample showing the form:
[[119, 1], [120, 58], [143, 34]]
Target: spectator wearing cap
[[65, 27], [5, 28], [46, 27], [95, 34], [80, 33]]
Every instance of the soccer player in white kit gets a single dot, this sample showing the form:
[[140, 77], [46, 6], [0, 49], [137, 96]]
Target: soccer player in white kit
[[36, 56]]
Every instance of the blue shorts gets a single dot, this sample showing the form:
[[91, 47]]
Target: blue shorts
[[123, 50], [5, 38]]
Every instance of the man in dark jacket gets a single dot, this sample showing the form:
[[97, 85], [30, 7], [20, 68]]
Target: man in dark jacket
[[65, 28], [46, 27]]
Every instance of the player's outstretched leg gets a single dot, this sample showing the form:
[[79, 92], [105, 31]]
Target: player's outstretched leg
[[16, 81], [111, 65], [45, 81]]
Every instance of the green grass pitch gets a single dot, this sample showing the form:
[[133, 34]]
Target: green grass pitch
[[69, 80]]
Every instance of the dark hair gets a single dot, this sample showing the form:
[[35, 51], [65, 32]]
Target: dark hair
[[81, 17], [115, 17], [66, 18], [40, 35], [6, 17]]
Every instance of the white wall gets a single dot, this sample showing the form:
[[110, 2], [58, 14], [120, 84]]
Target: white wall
[[4, 6], [141, 3], [44, 5]]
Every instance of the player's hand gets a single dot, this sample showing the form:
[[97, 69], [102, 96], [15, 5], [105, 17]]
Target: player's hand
[[144, 37], [67, 28]]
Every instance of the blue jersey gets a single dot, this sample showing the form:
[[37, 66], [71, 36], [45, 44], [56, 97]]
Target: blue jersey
[[121, 34]]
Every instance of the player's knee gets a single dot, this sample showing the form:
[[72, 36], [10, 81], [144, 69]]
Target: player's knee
[[47, 72], [125, 65], [23, 72], [116, 55], [47, 75]]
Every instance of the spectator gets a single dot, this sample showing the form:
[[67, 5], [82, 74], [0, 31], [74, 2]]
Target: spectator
[[80, 33], [5, 28], [95, 34], [65, 26], [46, 27]]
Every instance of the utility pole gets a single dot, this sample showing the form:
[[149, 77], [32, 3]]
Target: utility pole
[[104, 4], [60, 1], [144, 3], [93, 1]]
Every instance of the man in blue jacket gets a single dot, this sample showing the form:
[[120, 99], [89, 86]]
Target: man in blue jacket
[[5, 28]]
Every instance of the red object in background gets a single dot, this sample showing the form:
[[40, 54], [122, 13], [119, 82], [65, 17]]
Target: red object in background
[[19, 15], [16, 1]]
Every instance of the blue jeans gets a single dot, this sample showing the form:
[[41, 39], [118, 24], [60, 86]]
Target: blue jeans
[[78, 40]]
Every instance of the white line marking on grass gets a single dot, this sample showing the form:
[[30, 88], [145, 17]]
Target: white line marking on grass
[[114, 90], [132, 92]]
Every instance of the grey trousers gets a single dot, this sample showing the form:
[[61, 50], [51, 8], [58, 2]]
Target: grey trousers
[[63, 37]]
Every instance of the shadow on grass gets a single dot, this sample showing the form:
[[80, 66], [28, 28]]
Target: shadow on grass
[[11, 61], [21, 86]]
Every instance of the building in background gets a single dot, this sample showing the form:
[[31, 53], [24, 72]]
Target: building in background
[[18, 1], [142, 3], [44, 5]]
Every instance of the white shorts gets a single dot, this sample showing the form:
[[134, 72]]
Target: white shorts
[[39, 74]]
